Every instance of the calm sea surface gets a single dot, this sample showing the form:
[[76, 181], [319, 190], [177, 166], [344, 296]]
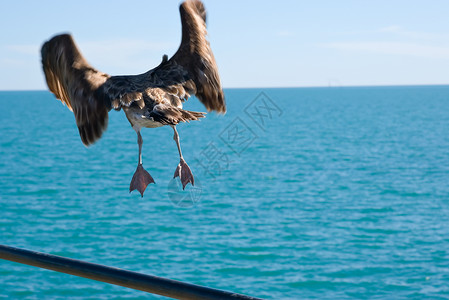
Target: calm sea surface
[[311, 193]]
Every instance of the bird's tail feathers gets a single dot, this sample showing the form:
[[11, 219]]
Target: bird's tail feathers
[[169, 115]]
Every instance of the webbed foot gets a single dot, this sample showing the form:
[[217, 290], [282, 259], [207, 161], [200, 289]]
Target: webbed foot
[[141, 179], [184, 173]]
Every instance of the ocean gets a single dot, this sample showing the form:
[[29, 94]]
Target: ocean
[[301, 193]]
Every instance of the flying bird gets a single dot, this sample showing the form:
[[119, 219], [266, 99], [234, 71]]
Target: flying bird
[[152, 99]]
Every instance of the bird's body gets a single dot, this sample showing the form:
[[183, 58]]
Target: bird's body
[[139, 118], [149, 100]]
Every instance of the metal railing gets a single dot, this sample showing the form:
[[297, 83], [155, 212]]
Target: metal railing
[[138, 281]]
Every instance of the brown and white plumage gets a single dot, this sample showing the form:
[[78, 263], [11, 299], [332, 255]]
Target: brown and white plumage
[[150, 99]]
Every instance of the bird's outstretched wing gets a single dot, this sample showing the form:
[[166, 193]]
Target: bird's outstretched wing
[[73, 81], [90, 94], [196, 57]]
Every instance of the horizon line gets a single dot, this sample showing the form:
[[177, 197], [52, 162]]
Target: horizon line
[[283, 87]]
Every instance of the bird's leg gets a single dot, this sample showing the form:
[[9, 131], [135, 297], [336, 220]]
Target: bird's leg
[[141, 178], [183, 170]]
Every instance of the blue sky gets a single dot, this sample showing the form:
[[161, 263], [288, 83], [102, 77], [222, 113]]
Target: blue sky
[[256, 43]]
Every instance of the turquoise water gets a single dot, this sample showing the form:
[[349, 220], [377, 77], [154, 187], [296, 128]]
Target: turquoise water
[[327, 193]]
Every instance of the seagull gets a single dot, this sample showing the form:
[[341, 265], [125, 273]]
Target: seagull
[[152, 99]]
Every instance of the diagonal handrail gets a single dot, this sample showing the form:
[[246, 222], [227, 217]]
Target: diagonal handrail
[[138, 281]]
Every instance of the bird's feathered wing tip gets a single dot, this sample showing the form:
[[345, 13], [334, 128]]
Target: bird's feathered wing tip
[[198, 6]]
